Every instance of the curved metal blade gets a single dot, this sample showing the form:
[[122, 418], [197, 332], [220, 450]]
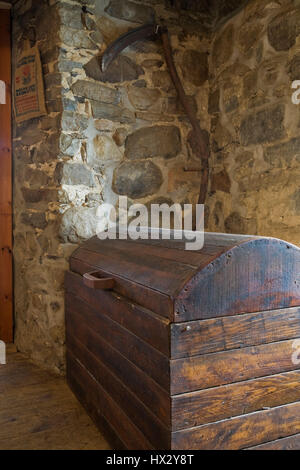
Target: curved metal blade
[[137, 34]]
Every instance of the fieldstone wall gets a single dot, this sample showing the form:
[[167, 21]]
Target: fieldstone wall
[[39, 255], [254, 124], [123, 132], [105, 134]]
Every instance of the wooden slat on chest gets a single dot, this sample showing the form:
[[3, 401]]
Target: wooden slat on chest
[[133, 407], [151, 299], [130, 346], [214, 404], [148, 326], [241, 432], [286, 443], [233, 332], [101, 406], [211, 370]]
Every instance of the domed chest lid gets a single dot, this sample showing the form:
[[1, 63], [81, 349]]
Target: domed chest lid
[[231, 274]]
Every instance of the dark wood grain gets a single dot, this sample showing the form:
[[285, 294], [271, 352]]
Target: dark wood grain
[[145, 324], [213, 242], [235, 275], [39, 412], [154, 248], [195, 349], [153, 272], [286, 443], [6, 273], [133, 348], [241, 432], [211, 370], [150, 299], [258, 275], [150, 274], [239, 331], [137, 380], [100, 405], [205, 406], [157, 434]]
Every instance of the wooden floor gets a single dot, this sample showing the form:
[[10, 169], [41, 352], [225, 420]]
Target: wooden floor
[[38, 411]]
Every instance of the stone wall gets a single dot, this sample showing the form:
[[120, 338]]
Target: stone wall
[[39, 255], [124, 131], [121, 132], [254, 124]]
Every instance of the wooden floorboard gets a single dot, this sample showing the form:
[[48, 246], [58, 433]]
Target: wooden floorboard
[[39, 411]]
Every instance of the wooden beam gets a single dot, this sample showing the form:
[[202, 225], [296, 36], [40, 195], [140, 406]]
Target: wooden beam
[[6, 299]]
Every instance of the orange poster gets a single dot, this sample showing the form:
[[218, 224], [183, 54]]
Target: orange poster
[[29, 101]]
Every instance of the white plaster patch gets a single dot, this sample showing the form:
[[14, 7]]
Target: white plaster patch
[[76, 194]]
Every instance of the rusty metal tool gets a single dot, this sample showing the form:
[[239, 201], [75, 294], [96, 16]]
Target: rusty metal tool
[[196, 137]]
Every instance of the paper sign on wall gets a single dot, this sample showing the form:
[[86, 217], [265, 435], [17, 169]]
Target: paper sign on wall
[[2, 92], [29, 101]]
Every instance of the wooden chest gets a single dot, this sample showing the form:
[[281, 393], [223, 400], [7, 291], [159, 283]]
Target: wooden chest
[[175, 349]]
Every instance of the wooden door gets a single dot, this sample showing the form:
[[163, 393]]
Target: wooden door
[[6, 297]]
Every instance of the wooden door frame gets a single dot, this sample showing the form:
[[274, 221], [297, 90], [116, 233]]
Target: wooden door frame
[[6, 269]]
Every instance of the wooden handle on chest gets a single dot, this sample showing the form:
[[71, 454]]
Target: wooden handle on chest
[[92, 280]]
